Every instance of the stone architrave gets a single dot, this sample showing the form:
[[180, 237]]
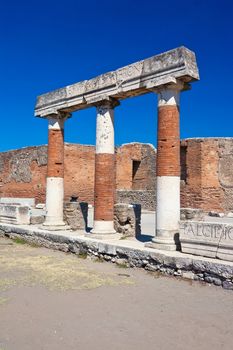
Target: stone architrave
[[132, 80]]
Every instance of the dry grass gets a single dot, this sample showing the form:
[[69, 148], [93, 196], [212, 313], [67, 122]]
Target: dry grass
[[24, 265]]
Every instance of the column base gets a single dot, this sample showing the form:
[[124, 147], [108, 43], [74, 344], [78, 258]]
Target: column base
[[169, 242], [55, 226], [103, 228], [161, 246]]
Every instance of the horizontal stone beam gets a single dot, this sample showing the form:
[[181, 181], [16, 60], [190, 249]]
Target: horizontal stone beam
[[132, 80]]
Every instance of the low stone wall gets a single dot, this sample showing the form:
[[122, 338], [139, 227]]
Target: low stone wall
[[175, 264], [147, 199]]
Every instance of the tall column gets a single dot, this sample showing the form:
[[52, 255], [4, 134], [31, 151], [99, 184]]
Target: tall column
[[168, 170], [105, 178], [55, 172]]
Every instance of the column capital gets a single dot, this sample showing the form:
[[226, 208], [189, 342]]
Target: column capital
[[56, 121], [59, 115], [169, 94], [109, 102]]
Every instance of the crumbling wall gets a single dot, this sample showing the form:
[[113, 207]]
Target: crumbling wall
[[144, 177], [206, 174], [136, 174], [79, 172], [23, 173]]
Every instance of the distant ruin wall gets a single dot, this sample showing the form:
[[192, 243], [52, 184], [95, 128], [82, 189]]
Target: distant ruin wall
[[23, 171], [206, 173]]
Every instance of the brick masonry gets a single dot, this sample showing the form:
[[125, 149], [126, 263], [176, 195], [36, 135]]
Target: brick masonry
[[56, 153], [168, 163], [206, 172], [105, 184]]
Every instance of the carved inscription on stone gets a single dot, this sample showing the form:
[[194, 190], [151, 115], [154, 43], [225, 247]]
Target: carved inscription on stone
[[208, 231]]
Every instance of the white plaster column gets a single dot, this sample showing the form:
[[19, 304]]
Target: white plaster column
[[55, 173], [168, 170], [105, 183]]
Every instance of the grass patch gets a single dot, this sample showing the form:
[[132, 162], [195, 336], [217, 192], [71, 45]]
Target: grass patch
[[19, 240], [124, 237], [122, 266], [98, 259], [6, 283], [2, 302], [55, 271], [82, 255]]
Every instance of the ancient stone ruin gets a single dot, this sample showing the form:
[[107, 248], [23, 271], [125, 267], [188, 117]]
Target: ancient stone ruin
[[167, 75], [181, 180]]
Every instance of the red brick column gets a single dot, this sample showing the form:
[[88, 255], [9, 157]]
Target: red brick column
[[168, 170], [55, 173], [105, 178]]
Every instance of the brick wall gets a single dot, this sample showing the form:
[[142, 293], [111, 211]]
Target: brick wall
[[206, 172], [23, 171], [143, 176]]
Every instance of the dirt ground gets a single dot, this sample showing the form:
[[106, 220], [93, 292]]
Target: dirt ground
[[52, 300]]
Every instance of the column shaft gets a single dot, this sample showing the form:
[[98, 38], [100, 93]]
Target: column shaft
[[168, 171], [105, 182], [55, 174]]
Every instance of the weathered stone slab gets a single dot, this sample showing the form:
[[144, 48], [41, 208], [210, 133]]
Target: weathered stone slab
[[76, 214], [209, 239], [135, 79], [22, 201], [14, 214], [127, 219], [191, 214]]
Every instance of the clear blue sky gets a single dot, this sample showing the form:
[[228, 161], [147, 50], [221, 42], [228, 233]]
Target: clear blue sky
[[49, 44]]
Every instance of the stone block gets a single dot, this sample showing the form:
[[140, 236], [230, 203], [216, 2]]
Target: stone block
[[134, 79], [37, 219], [40, 206], [216, 214], [76, 214], [21, 201], [14, 214], [208, 239], [127, 219], [191, 214]]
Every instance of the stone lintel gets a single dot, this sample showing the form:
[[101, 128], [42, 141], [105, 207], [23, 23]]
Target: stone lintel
[[135, 79]]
